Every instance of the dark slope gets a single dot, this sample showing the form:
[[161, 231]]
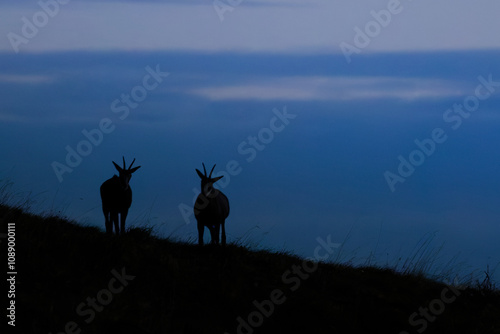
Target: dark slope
[[74, 279]]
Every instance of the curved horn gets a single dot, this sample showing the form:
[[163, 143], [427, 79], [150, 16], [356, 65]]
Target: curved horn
[[204, 170], [124, 162], [211, 172], [131, 164]]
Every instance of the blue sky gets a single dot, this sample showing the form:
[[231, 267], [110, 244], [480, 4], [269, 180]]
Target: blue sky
[[351, 116]]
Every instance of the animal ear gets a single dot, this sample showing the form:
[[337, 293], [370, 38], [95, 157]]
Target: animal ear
[[134, 169], [217, 178], [200, 174], [117, 167]]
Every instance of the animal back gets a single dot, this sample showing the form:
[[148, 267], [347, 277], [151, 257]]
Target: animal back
[[209, 208], [113, 196]]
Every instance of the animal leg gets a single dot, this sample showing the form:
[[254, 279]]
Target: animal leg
[[107, 222], [114, 221], [123, 217], [223, 235], [201, 229]]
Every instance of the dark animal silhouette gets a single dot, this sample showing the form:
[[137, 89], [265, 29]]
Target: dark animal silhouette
[[116, 197], [211, 208]]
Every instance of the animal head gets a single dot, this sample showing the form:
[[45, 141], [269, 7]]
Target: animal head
[[125, 174], [207, 182]]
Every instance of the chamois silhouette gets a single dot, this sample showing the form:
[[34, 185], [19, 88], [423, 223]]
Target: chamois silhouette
[[116, 197], [211, 208]]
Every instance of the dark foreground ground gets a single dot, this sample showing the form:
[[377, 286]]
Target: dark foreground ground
[[74, 279]]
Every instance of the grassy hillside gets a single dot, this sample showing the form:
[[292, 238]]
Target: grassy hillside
[[75, 279]]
